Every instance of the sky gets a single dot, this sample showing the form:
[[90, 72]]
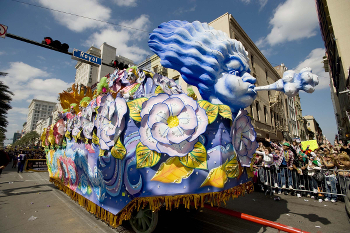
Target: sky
[[286, 31]]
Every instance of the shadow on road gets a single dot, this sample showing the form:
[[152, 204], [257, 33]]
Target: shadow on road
[[314, 218], [33, 189]]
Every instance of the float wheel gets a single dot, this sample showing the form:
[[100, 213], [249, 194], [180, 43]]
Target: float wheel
[[144, 221]]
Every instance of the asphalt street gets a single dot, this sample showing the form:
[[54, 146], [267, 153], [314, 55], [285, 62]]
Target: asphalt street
[[23, 195]]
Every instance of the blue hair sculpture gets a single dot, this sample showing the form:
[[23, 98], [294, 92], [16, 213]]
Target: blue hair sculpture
[[217, 65]]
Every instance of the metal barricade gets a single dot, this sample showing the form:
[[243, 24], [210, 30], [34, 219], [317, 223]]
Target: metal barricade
[[274, 180]]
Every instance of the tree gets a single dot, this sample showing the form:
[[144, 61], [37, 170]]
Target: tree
[[30, 139], [5, 99]]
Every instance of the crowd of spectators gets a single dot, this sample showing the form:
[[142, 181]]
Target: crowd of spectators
[[322, 174]]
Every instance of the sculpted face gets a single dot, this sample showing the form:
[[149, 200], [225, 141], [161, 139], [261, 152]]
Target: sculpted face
[[234, 91]]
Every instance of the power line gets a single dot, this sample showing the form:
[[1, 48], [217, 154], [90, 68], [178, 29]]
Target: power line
[[85, 17]]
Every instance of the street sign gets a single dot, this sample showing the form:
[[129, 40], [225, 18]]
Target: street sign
[[3, 30], [85, 57]]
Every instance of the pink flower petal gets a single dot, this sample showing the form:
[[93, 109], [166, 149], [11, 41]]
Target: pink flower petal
[[148, 105], [186, 100], [187, 118], [177, 134], [146, 135], [175, 106], [160, 131], [159, 113], [178, 149]]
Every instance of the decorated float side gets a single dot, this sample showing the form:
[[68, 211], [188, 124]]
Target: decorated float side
[[140, 142]]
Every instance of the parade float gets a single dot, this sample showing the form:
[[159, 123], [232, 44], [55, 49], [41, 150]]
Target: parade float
[[139, 142]]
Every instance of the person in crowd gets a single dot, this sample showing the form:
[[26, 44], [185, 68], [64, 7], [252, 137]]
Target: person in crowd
[[343, 164], [14, 160], [21, 160], [285, 164], [4, 160], [330, 178], [300, 172], [311, 168], [258, 173], [264, 171]]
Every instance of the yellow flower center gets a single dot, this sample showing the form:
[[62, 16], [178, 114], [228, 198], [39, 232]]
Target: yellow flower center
[[173, 121]]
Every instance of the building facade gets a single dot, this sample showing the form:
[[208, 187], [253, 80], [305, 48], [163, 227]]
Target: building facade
[[301, 122], [335, 30], [89, 75], [314, 127], [16, 136], [38, 109]]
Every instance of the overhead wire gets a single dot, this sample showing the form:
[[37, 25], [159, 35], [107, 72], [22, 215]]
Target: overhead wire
[[81, 16]]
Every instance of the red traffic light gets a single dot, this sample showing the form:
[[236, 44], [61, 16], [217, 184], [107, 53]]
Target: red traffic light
[[115, 63], [48, 40], [56, 44]]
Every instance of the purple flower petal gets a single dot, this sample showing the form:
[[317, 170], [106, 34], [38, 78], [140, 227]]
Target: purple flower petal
[[148, 105], [246, 142], [178, 149], [241, 122], [177, 134], [187, 118], [187, 100], [160, 131], [202, 121], [146, 135], [175, 106], [159, 113]]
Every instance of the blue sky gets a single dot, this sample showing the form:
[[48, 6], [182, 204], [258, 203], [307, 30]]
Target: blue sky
[[286, 32]]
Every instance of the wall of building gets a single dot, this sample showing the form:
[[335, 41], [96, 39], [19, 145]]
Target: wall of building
[[38, 109]]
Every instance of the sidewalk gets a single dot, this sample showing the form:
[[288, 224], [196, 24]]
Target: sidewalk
[[23, 195]]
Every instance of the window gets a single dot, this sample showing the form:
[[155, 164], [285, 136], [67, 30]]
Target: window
[[155, 69], [90, 80], [257, 110], [308, 124], [251, 111], [265, 114], [252, 59], [266, 74]]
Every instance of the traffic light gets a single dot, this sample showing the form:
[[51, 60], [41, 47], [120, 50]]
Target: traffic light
[[119, 65], [115, 63], [56, 44]]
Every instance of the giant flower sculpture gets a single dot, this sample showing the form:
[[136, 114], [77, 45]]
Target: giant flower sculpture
[[110, 120], [58, 131], [243, 138], [172, 124]]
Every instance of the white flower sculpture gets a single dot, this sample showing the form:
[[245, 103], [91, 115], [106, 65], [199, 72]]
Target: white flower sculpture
[[243, 138], [110, 121], [172, 124]]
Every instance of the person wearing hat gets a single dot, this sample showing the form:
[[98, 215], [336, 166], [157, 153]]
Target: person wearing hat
[[285, 164], [300, 172]]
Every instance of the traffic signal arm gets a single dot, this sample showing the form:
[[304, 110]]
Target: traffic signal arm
[[35, 43], [44, 45]]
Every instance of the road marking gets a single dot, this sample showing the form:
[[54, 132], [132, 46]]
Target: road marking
[[20, 176], [69, 204]]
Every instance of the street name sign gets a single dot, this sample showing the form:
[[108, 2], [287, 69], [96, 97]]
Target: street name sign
[[3, 30], [85, 57]]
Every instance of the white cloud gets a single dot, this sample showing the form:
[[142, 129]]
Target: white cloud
[[2, 53], [262, 3], [27, 82], [182, 10], [124, 39], [314, 60], [126, 2], [16, 110], [293, 20], [88, 8]]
